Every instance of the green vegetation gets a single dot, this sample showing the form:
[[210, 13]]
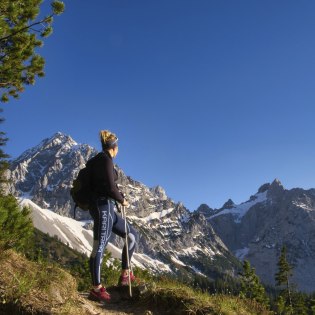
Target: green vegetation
[[29, 290], [3, 158], [251, 286], [47, 249], [19, 30], [16, 225], [172, 297], [218, 281], [25, 287], [288, 301]]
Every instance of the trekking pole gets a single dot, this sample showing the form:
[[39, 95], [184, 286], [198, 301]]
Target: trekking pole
[[127, 248]]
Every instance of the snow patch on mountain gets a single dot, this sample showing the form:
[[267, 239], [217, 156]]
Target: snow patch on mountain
[[67, 230], [239, 211], [241, 253], [153, 216], [192, 251], [303, 206], [73, 234], [177, 261], [197, 271], [152, 264]]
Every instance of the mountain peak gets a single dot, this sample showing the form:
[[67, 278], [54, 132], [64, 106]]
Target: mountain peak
[[58, 134], [205, 210], [276, 182], [264, 188], [60, 138], [276, 189], [229, 204], [275, 185], [159, 191]]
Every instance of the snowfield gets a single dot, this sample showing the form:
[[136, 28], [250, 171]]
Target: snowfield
[[73, 234], [238, 211]]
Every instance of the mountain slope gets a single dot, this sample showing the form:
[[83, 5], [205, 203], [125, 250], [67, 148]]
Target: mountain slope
[[257, 229], [45, 172], [73, 233]]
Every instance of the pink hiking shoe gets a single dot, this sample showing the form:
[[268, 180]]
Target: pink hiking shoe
[[124, 280], [101, 295]]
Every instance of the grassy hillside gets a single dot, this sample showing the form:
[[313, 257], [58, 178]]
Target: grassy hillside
[[28, 287], [50, 249], [169, 297], [35, 288]]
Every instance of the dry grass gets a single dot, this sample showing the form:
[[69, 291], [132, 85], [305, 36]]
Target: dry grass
[[36, 288], [169, 297]]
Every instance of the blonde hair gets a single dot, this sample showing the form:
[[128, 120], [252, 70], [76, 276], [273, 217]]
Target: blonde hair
[[107, 137]]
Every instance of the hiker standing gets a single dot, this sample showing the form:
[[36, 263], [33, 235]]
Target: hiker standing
[[106, 220]]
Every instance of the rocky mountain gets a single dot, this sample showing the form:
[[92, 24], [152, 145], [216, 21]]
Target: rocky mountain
[[257, 229], [169, 233], [46, 171]]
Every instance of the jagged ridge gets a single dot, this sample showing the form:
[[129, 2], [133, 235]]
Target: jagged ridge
[[257, 229]]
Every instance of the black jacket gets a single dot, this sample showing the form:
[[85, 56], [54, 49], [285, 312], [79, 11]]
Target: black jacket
[[104, 177]]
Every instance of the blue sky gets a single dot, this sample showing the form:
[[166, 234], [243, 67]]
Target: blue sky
[[210, 99]]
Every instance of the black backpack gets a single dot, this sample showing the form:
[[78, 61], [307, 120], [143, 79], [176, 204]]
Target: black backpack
[[81, 191]]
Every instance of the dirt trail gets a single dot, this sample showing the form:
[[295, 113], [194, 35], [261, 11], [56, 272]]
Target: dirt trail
[[120, 304]]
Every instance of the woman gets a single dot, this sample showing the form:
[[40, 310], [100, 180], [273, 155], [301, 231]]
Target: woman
[[106, 220]]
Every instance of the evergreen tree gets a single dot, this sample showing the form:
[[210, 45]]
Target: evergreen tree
[[282, 278], [284, 270], [15, 224], [299, 301], [281, 305], [251, 286], [3, 158], [311, 305], [19, 30]]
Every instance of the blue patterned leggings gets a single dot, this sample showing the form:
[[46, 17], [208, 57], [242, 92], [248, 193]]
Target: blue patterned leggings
[[106, 220]]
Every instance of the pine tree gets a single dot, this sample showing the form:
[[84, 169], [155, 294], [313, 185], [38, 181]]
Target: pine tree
[[281, 305], [311, 305], [15, 224], [3, 158], [19, 30], [299, 301], [282, 278], [251, 286]]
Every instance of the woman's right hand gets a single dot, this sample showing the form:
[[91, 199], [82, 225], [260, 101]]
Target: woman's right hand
[[126, 203]]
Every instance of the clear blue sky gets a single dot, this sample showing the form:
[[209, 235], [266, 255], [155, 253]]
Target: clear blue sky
[[210, 99]]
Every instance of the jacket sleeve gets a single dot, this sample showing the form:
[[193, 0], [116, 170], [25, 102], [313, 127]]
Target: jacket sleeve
[[111, 188]]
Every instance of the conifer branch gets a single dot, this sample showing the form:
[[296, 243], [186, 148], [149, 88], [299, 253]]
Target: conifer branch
[[26, 27]]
